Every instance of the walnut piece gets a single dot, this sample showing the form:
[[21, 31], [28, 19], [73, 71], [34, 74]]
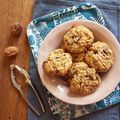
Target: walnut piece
[[11, 51], [16, 29]]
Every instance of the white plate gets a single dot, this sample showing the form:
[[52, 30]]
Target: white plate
[[109, 79]]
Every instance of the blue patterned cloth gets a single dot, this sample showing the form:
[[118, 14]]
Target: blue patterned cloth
[[38, 29]]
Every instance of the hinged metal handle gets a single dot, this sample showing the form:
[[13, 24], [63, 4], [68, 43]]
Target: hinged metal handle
[[19, 87]]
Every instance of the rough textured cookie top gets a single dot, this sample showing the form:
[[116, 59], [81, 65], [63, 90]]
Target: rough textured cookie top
[[58, 62], [75, 67], [85, 81], [100, 57], [78, 39]]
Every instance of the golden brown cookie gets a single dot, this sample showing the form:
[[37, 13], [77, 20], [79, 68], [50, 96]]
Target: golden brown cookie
[[78, 39], [85, 82], [99, 56], [58, 62]]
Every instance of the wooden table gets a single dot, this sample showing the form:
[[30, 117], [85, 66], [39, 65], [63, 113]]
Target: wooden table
[[12, 106]]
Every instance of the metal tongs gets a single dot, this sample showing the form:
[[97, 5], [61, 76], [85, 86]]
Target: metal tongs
[[19, 87]]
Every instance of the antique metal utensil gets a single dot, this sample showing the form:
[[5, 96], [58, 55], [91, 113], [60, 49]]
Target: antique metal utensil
[[19, 87]]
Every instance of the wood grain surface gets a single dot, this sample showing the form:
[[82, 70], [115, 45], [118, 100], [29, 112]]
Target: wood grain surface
[[12, 106]]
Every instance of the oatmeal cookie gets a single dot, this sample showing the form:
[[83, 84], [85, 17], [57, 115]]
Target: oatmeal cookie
[[58, 62], [78, 39], [99, 56], [85, 82]]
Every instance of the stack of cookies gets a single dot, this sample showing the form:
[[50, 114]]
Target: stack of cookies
[[80, 60]]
